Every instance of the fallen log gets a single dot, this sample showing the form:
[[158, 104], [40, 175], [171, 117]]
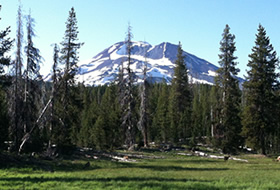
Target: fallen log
[[123, 159]]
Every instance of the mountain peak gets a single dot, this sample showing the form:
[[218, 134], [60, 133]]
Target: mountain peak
[[104, 67]]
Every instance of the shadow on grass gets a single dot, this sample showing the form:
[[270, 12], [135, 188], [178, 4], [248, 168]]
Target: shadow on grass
[[116, 179], [177, 168], [166, 186], [131, 182], [51, 166], [197, 161], [170, 168], [69, 167]]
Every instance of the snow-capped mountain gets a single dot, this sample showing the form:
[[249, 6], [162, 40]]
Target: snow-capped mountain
[[104, 67]]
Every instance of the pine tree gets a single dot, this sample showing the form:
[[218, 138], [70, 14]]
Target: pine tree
[[4, 119], [88, 118], [75, 109], [260, 112], [88, 134], [5, 46], [68, 97], [206, 109], [109, 117], [161, 120], [99, 136], [70, 46], [180, 98], [201, 112], [196, 115], [227, 85], [154, 131]]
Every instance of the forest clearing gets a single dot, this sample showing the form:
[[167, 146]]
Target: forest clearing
[[148, 170], [136, 116]]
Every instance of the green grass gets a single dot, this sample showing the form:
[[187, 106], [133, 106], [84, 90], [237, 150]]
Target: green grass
[[173, 172]]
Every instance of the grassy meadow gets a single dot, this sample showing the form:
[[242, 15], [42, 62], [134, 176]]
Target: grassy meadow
[[171, 172]]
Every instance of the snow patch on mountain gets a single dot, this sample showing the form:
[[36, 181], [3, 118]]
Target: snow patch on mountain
[[104, 67], [211, 73]]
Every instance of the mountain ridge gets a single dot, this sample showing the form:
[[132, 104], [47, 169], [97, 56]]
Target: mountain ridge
[[103, 68]]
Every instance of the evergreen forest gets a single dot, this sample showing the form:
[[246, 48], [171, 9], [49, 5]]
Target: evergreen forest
[[59, 116]]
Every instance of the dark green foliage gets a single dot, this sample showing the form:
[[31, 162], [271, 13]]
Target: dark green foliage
[[101, 118], [6, 44], [112, 114], [74, 113], [228, 123], [260, 116], [201, 113], [106, 131], [205, 101], [4, 119], [68, 101], [196, 116], [98, 133], [180, 99], [161, 123], [70, 46], [104, 117], [89, 116], [154, 92], [67, 123]]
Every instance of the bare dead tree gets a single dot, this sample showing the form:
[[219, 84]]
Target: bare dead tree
[[143, 120], [128, 99], [32, 90], [16, 103]]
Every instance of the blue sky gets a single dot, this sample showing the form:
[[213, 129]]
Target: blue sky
[[198, 24]]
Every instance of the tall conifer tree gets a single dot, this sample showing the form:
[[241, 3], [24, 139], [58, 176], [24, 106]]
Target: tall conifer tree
[[67, 92], [161, 122], [5, 46], [106, 129], [260, 112], [180, 98], [196, 114], [226, 82]]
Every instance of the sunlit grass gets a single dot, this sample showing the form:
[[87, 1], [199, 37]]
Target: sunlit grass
[[173, 172]]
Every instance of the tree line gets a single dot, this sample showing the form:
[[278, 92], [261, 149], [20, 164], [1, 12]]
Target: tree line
[[37, 116]]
